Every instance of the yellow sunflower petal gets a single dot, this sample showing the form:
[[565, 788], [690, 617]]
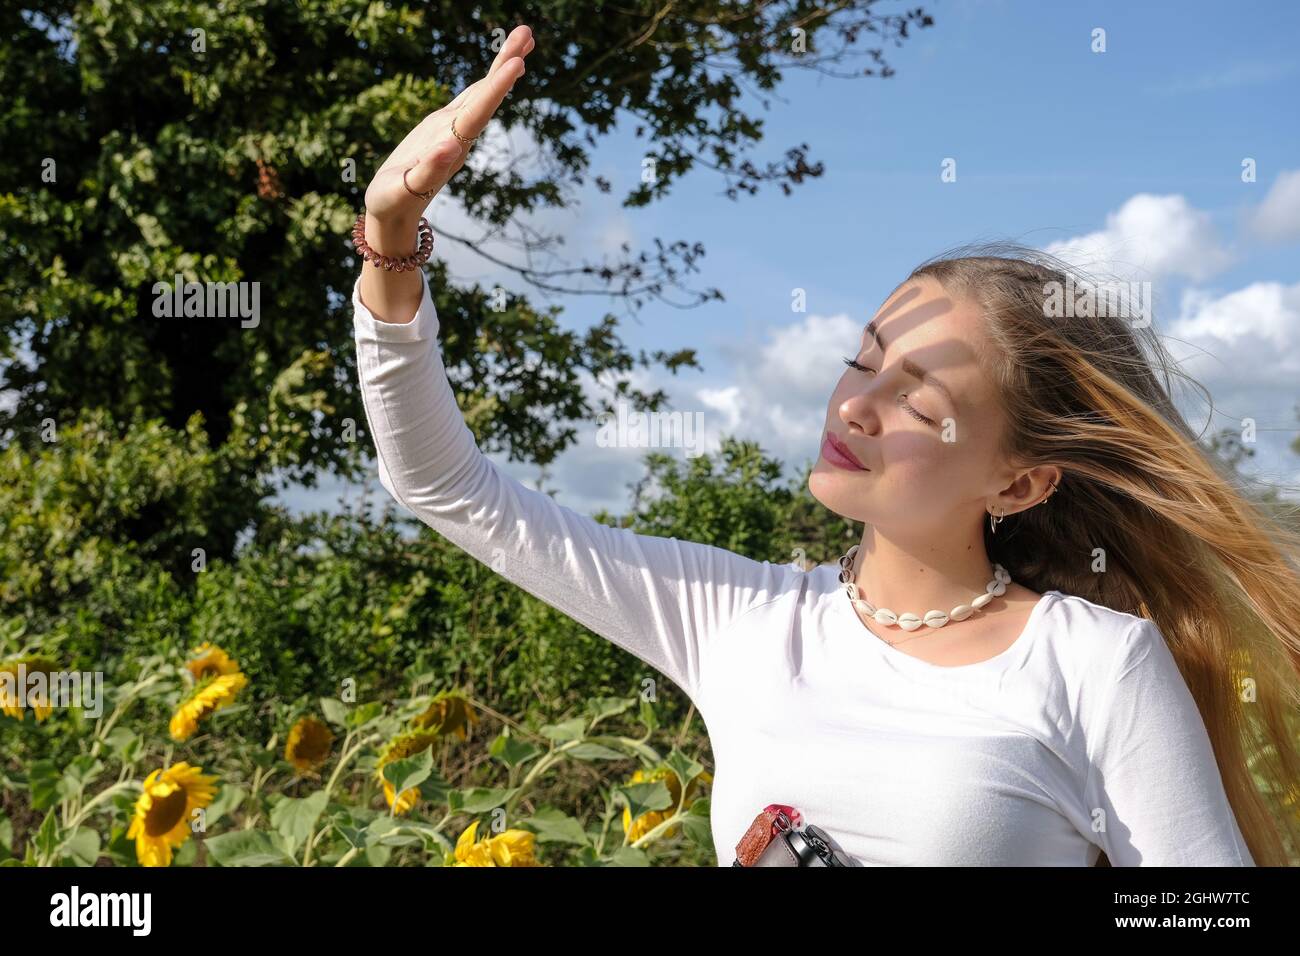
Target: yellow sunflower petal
[[164, 809]]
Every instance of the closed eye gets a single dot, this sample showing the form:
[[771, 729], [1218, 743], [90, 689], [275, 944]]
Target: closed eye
[[855, 364]]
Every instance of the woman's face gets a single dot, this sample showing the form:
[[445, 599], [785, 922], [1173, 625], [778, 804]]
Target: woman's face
[[919, 478]]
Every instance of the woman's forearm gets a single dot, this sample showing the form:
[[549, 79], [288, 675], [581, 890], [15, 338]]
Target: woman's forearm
[[391, 296]]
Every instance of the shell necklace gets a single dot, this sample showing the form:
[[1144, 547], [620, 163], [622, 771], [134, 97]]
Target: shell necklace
[[933, 619]]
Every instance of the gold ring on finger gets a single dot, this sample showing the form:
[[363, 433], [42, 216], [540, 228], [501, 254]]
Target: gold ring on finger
[[468, 143], [424, 195]]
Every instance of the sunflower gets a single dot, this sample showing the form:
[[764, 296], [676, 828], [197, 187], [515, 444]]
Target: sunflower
[[399, 748], [308, 745], [410, 797], [210, 661], [12, 704], [209, 696], [163, 811], [652, 818], [449, 712], [511, 848]]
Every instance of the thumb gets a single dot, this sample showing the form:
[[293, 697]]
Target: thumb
[[448, 151], [432, 170], [445, 154]]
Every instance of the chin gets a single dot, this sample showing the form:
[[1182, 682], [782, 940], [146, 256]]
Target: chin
[[838, 490]]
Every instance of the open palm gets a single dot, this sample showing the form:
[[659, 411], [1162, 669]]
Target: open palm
[[430, 154]]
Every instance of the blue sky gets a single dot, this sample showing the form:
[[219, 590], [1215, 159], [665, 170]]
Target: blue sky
[[1130, 159]]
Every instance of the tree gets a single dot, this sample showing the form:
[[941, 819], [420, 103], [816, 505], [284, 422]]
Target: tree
[[224, 143]]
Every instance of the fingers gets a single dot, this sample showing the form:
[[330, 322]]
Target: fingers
[[519, 43], [429, 166], [434, 168], [473, 117]]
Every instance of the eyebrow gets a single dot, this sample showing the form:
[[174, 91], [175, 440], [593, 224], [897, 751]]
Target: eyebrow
[[910, 367]]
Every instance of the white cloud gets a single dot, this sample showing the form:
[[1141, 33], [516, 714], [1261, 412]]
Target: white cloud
[[776, 397], [1244, 347], [1277, 218], [779, 393], [1147, 238], [1263, 314]]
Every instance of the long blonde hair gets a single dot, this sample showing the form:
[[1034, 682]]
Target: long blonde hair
[[1184, 542]]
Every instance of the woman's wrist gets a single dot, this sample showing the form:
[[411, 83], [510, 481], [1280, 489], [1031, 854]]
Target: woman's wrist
[[393, 236], [391, 296]]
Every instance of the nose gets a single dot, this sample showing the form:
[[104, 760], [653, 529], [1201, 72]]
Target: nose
[[859, 409]]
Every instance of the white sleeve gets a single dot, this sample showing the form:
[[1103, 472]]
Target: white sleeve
[[661, 599], [1152, 773]]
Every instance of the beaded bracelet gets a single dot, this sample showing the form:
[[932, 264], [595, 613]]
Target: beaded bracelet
[[391, 263]]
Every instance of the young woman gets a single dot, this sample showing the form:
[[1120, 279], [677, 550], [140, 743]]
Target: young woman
[[1089, 678]]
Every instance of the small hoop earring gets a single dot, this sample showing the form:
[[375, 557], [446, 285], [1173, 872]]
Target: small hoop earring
[[1050, 491], [994, 522]]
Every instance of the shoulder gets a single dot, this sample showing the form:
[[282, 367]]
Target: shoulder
[[1094, 637], [1093, 652]]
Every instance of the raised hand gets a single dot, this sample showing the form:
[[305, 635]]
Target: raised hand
[[428, 157]]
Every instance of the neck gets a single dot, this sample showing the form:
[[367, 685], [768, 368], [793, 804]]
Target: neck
[[904, 576]]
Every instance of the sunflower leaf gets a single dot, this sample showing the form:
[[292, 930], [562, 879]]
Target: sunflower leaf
[[246, 848], [601, 707], [80, 773], [592, 751], [358, 717], [648, 716], [335, 711], [512, 751], [553, 825], [643, 797], [47, 837], [479, 799], [387, 831], [695, 823], [434, 841], [126, 744], [409, 772], [294, 818], [682, 765], [628, 856], [43, 779], [228, 799], [81, 848], [355, 838], [187, 854], [568, 730]]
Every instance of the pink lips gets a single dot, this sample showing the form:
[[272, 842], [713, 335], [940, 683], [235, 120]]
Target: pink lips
[[838, 454]]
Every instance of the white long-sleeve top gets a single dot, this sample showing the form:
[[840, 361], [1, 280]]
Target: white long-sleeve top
[[1081, 736]]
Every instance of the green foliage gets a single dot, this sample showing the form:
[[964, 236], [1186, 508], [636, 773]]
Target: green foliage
[[739, 502], [231, 143]]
